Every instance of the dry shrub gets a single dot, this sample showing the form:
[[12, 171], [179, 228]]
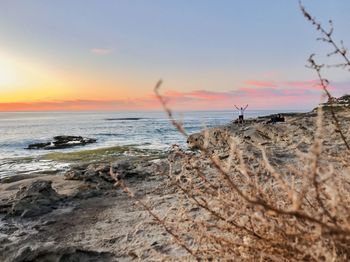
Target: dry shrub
[[249, 201], [243, 206]]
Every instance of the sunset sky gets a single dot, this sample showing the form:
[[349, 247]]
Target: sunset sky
[[108, 54]]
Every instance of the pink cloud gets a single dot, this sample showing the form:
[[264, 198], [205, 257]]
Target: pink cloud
[[257, 83], [101, 51], [259, 98], [287, 95], [259, 94], [314, 84], [196, 95], [308, 84]]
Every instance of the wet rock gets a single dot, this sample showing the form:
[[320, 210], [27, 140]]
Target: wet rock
[[4, 240], [98, 175], [34, 200], [52, 252], [125, 169], [87, 193], [8, 229], [97, 179], [74, 175], [60, 142], [5, 206], [102, 177]]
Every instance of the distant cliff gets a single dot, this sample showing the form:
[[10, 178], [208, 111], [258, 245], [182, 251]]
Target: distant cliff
[[342, 102]]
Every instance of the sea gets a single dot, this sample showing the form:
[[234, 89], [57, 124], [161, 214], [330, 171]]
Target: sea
[[145, 130]]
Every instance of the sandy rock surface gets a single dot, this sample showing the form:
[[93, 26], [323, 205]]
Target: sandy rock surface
[[84, 216]]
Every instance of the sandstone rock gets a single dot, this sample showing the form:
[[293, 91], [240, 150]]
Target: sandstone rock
[[210, 138], [195, 141], [99, 176], [95, 175], [126, 169]]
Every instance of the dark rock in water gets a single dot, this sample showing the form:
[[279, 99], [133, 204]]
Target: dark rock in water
[[61, 142], [34, 200], [124, 118], [39, 145]]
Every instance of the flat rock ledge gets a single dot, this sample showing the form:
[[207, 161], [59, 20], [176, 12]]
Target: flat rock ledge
[[61, 142], [79, 216], [56, 252]]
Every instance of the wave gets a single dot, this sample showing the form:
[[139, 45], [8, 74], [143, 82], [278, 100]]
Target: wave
[[107, 134]]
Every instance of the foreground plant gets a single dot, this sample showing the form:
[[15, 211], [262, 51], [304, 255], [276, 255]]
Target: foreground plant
[[236, 200]]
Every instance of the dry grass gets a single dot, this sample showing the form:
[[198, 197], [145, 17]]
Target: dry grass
[[241, 205], [246, 207]]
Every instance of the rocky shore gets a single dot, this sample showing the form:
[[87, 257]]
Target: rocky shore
[[83, 215]]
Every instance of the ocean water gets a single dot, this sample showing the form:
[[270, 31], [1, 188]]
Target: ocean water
[[150, 130]]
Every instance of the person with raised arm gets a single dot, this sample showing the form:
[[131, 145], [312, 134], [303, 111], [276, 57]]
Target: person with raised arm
[[241, 113]]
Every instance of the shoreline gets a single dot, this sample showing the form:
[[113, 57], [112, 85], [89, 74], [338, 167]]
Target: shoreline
[[50, 202], [83, 213], [66, 159]]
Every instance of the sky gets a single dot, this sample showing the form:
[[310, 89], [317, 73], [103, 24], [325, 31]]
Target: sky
[[211, 55]]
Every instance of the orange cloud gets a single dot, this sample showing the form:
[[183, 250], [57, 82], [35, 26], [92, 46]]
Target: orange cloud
[[77, 105], [287, 95]]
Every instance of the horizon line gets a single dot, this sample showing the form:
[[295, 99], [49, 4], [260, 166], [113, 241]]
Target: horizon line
[[152, 110]]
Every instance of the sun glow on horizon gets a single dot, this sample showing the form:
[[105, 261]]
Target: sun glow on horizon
[[7, 75], [24, 81], [112, 56], [29, 80]]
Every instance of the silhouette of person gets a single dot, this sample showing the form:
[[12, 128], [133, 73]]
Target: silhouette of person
[[241, 113]]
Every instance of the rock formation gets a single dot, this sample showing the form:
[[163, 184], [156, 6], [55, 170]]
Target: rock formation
[[60, 142], [34, 200]]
